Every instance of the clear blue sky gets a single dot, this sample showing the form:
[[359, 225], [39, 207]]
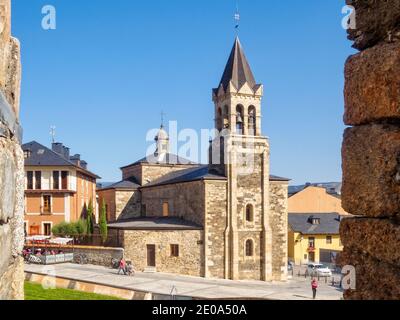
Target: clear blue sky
[[104, 75]]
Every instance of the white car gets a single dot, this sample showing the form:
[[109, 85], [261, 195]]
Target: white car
[[316, 269]]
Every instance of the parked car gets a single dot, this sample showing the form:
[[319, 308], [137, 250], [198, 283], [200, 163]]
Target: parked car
[[317, 269]]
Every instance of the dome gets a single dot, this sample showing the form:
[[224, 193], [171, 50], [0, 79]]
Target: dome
[[161, 135]]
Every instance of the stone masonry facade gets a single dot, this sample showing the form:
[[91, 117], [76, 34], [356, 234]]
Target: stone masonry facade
[[11, 163], [371, 152]]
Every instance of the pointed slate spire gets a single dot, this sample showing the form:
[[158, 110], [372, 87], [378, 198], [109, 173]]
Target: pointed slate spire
[[237, 69]]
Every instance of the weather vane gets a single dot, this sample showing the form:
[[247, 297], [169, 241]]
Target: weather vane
[[162, 118], [53, 133], [237, 17]]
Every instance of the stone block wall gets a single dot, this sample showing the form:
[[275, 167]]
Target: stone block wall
[[191, 251], [371, 152], [11, 163]]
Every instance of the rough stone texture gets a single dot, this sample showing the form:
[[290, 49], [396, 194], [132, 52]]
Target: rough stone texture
[[181, 201], [372, 236], [376, 21], [372, 90], [279, 223], [375, 279], [191, 251], [371, 160], [11, 166], [371, 152]]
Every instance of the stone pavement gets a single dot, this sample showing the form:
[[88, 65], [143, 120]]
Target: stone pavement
[[159, 283]]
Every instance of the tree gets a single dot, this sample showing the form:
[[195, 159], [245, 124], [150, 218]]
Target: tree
[[90, 218], [103, 222]]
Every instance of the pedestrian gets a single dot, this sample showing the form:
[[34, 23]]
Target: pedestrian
[[122, 266], [314, 287]]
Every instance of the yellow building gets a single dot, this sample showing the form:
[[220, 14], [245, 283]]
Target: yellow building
[[313, 237]]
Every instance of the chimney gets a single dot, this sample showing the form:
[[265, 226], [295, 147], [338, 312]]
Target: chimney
[[58, 148], [76, 159], [66, 152], [84, 164]]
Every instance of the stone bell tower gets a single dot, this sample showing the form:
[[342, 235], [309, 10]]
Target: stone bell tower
[[241, 153]]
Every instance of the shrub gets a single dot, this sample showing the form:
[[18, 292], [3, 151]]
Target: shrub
[[103, 222]]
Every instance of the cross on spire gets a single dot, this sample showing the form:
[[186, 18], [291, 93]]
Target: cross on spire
[[237, 17], [162, 118]]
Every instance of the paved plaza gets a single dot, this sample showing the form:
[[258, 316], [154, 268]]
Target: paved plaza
[[297, 288]]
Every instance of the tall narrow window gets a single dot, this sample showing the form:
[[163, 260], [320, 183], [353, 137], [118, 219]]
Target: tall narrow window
[[249, 248], [165, 209], [64, 180], [38, 180], [46, 204], [249, 213], [328, 239], [252, 121], [56, 180], [220, 120], [226, 117], [47, 229], [29, 180]]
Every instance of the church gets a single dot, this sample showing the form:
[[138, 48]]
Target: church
[[227, 219]]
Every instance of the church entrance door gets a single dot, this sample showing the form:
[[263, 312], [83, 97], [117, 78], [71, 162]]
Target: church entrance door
[[151, 255]]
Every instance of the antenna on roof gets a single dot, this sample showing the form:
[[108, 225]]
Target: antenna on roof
[[53, 134], [237, 17]]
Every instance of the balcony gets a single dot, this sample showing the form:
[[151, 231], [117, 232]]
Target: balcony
[[311, 248], [46, 211]]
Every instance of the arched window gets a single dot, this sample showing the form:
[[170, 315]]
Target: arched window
[[239, 119], [226, 118], [249, 248], [220, 120], [252, 121], [249, 213]]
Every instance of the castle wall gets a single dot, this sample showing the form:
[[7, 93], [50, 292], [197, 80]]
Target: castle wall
[[11, 164], [371, 149]]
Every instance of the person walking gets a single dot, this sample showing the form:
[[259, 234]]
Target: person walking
[[314, 287], [122, 266]]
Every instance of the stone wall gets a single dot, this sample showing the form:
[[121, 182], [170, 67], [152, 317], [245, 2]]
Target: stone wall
[[371, 152], [191, 251], [279, 225], [185, 200], [11, 163]]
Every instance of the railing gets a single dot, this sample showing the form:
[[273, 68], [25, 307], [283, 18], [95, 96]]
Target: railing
[[46, 211]]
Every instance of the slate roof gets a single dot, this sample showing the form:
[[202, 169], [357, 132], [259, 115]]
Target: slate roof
[[199, 172], [43, 156], [329, 223], [332, 188], [129, 184], [237, 69], [168, 158], [155, 223]]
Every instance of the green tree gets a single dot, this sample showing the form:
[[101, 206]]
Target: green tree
[[103, 222], [90, 218]]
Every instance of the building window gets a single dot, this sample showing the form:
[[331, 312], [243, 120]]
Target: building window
[[29, 180], [174, 250], [249, 213], [64, 180], [46, 204], [249, 248], [38, 180], [47, 229], [311, 242], [165, 209], [252, 121], [239, 119], [56, 180], [328, 239]]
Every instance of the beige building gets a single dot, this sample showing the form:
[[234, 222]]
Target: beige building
[[226, 219], [313, 199]]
